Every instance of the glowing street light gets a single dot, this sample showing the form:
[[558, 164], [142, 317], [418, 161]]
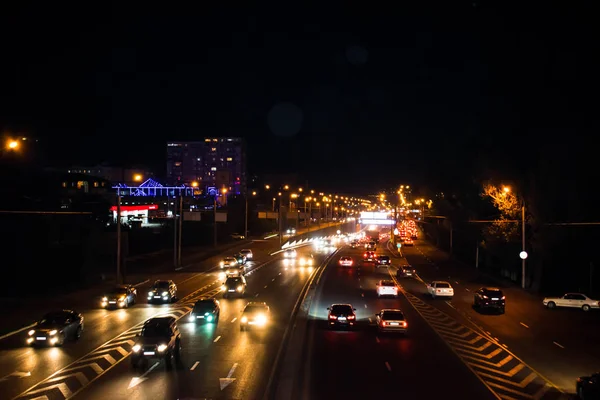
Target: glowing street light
[[195, 184], [137, 177], [12, 145], [267, 187]]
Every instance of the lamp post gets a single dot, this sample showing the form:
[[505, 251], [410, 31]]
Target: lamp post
[[119, 278], [523, 253], [246, 219]]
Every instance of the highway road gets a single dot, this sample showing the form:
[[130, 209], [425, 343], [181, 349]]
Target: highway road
[[74, 369], [364, 364], [560, 345]]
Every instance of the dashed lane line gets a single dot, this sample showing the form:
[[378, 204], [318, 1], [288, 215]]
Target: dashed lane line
[[501, 371]]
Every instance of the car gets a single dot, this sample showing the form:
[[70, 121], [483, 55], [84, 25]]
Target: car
[[354, 244], [440, 289], [163, 291], [489, 297], [121, 296], [255, 314], [391, 320], [241, 259], [387, 288], [383, 261], [290, 232], [205, 310], [237, 236], [233, 271], [371, 246], [572, 300], [228, 262], [408, 242], [346, 261], [55, 328], [369, 256], [406, 271], [341, 315], [306, 262], [588, 387], [290, 253], [247, 253], [234, 286], [159, 339]]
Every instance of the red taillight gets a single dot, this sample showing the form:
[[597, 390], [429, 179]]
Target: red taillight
[[332, 317], [438, 290], [351, 317], [404, 324], [365, 255]]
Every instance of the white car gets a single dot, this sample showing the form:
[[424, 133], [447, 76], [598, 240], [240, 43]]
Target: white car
[[228, 262], [247, 253], [346, 261], [440, 289], [290, 253], [573, 300], [237, 236], [291, 232], [387, 288]]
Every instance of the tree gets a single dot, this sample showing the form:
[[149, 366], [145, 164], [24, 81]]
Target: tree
[[504, 228]]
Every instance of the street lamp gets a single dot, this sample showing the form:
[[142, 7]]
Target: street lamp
[[246, 219], [195, 184], [267, 187], [12, 145]]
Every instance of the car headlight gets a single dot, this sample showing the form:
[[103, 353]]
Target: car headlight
[[53, 332], [223, 288], [261, 319], [222, 275], [239, 288], [136, 348], [162, 347], [122, 298], [310, 261], [104, 298], [150, 294], [221, 263], [31, 332], [192, 317], [244, 320], [165, 293], [209, 318]]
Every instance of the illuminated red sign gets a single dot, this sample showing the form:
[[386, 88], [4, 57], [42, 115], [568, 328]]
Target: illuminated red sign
[[144, 207]]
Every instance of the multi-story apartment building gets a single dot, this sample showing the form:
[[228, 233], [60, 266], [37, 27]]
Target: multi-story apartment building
[[213, 162], [114, 174]]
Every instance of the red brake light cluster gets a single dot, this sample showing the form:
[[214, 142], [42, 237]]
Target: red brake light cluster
[[332, 317], [351, 317]]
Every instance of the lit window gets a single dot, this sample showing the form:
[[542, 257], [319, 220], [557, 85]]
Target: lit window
[[213, 168], [207, 140], [198, 159], [229, 159], [213, 149], [229, 140], [178, 164], [215, 140], [81, 184], [95, 184], [64, 184]]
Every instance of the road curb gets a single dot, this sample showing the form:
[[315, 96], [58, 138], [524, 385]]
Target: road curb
[[286, 374]]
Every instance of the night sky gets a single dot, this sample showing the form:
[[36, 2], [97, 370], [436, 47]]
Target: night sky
[[342, 95]]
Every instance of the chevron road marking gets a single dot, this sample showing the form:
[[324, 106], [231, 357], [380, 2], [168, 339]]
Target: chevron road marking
[[502, 372], [69, 381]]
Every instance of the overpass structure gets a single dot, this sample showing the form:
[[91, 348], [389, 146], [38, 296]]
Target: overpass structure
[[378, 219]]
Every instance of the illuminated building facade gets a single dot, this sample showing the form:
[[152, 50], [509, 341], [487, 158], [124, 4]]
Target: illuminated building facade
[[213, 162]]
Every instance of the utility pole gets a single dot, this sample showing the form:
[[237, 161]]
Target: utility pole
[[309, 215], [175, 234], [523, 244], [180, 236], [246, 220], [451, 240], [119, 277], [215, 218], [280, 223], [477, 254]]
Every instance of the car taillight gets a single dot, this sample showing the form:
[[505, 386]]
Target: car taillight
[[404, 324], [332, 317], [438, 290], [351, 317], [503, 297], [365, 254]]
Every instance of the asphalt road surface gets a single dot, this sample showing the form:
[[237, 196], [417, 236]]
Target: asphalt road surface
[[97, 365], [444, 353], [560, 345]]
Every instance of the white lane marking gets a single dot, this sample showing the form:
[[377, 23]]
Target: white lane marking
[[273, 280], [370, 321], [559, 345], [256, 295], [450, 304], [17, 374], [280, 273], [377, 339], [505, 346], [17, 331], [233, 320], [216, 339], [467, 289], [365, 306], [456, 282], [137, 380], [141, 283], [178, 268], [387, 365], [265, 287], [224, 382], [195, 365], [497, 340], [524, 325], [362, 295]]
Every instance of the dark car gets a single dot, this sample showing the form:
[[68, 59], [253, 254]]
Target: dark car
[[341, 315], [163, 291], [205, 310], [383, 261], [56, 327], [406, 271], [121, 296], [241, 258], [235, 285], [160, 338], [369, 256], [488, 297], [588, 387]]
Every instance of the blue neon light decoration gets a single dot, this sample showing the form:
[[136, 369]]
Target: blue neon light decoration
[[151, 183]]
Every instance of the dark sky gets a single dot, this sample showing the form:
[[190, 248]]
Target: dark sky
[[344, 96]]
